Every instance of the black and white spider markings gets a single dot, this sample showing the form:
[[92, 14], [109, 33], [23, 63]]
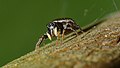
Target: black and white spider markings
[[58, 27]]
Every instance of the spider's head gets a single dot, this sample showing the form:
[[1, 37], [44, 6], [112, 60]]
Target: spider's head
[[52, 30]]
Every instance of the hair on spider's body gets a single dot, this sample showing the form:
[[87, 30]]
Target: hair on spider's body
[[62, 24], [58, 27]]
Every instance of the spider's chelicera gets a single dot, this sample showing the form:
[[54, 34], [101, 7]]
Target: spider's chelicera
[[58, 27]]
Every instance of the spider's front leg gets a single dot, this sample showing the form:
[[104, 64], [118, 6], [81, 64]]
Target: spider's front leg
[[39, 42], [41, 39], [59, 34]]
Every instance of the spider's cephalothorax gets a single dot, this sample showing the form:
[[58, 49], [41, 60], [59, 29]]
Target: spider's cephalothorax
[[59, 27]]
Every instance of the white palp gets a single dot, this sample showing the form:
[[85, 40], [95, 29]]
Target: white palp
[[55, 31], [49, 36]]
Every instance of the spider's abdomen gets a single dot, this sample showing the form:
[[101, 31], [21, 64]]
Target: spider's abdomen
[[66, 23]]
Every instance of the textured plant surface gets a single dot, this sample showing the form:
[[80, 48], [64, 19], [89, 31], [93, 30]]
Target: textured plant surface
[[98, 47]]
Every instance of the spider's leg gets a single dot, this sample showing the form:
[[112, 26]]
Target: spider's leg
[[78, 27], [61, 39], [73, 30], [81, 30], [58, 37], [41, 39], [39, 42], [63, 32]]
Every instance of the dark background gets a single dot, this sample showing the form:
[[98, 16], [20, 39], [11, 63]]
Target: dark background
[[23, 21]]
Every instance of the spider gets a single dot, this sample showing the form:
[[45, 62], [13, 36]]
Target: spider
[[58, 27]]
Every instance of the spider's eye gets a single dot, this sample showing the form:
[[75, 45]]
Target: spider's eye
[[51, 25]]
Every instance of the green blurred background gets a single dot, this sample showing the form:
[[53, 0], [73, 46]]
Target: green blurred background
[[23, 21]]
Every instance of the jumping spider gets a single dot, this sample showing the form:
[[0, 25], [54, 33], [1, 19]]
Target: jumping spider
[[58, 27]]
